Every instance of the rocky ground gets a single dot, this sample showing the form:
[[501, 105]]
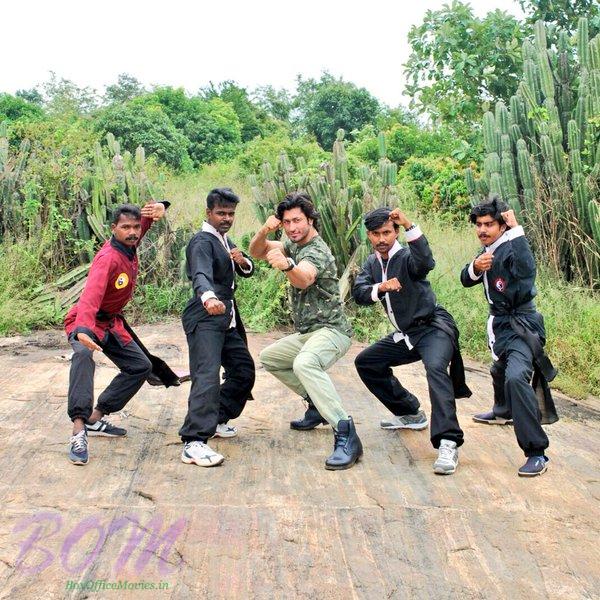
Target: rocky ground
[[271, 522]]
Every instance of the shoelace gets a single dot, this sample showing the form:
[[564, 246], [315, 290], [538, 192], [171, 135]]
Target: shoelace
[[446, 452], [340, 439], [79, 442]]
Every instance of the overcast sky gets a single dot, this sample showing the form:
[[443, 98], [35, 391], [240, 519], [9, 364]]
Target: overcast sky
[[189, 43]]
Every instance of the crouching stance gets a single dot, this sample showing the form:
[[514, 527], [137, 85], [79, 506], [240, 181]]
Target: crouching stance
[[396, 277], [516, 333], [323, 332], [95, 323], [212, 326]]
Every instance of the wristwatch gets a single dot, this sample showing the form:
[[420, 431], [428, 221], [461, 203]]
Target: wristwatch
[[291, 265]]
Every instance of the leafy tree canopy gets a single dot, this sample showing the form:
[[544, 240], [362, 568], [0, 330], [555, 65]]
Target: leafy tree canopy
[[126, 88], [564, 14], [13, 108], [458, 60], [135, 124], [329, 103]]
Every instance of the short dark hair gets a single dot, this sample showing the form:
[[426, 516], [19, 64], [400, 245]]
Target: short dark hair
[[220, 197], [377, 218], [126, 209], [299, 200], [493, 207]]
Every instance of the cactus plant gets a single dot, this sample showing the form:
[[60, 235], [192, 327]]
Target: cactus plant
[[550, 132]]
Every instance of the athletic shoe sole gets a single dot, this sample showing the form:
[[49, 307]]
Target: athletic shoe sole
[[78, 462], [224, 435], [496, 421], [533, 474], [92, 433], [440, 471], [413, 426], [192, 461]]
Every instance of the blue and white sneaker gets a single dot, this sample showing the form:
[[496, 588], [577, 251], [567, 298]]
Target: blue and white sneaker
[[103, 427], [225, 431], [201, 454], [535, 465], [78, 451]]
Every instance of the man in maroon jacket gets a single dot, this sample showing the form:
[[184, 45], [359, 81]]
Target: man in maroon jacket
[[95, 324]]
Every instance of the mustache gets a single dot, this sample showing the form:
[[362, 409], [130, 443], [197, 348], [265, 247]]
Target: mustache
[[132, 238]]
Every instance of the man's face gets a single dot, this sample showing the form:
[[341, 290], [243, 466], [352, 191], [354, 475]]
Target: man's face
[[221, 217], [297, 226], [127, 230], [488, 230], [383, 238]]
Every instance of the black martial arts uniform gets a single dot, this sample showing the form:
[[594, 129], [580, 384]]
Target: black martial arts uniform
[[214, 341], [516, 337], [424, 331]]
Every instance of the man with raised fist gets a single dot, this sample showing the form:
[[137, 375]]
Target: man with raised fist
[[214, 333], [323, 333], [516, 334], [396, 276]]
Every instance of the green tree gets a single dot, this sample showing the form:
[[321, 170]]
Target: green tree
[[32, 95], [211, 127], [563, 13], [277, 103], [137, 124], [252, 117], [126, 88], [13, 108], [458, 60], [62, 97], [329, 104]]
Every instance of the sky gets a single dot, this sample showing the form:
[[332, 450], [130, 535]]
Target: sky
[[191, 43]]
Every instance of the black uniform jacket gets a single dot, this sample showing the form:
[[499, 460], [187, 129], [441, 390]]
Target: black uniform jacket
[[413, 309], [210, 269], [509, 288]]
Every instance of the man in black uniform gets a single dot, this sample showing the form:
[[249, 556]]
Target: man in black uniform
[[212, 326], [396, 277], [516, 333]]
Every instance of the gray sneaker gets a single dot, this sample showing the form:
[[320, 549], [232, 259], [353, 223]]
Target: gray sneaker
[[447, 459], [417, 422]]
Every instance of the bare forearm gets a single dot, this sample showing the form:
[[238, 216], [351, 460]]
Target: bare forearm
[[259, 244], [301, 276]]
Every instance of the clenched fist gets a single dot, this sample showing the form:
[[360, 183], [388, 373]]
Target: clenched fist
[[238, 257], [214, 307], [154, 210], [391, 285], [277, 259], [399, 218], [272, 224], [483, 262], [509, 218]]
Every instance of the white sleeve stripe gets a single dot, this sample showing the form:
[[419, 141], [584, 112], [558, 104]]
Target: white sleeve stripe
[[207, 296], [413, 234], [515, 232], [472, 272], [375, 292]]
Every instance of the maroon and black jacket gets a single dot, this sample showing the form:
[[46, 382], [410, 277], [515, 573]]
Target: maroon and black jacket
[[109, 287]]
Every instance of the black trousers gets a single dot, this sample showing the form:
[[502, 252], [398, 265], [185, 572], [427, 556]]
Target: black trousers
[[500, 408], [435, 349], [212, 402], [512, 376], [133, 364]]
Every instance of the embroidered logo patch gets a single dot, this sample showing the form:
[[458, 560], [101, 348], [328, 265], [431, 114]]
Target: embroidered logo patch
[[122, 281], [500, 284]]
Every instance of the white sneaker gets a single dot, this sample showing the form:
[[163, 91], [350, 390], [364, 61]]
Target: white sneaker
[[447, 459], [225, 431], [201, 454], [416, 422]]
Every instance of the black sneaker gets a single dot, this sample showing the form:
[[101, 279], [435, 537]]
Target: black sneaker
[[491, 419], [102, 427], [535, 465], [78, 450]]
